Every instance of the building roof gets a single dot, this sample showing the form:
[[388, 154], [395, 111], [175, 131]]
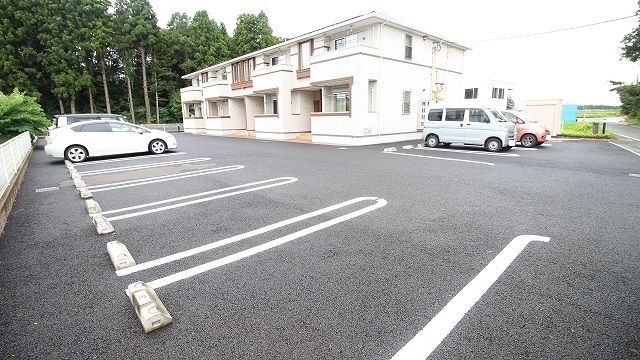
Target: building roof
[[374, 16]]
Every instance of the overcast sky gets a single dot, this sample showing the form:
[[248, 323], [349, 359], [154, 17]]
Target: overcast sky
[[575, 66]]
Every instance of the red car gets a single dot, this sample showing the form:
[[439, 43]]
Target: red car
[[528, 132]]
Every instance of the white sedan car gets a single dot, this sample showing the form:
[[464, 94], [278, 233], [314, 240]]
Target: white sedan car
[[106, 137]]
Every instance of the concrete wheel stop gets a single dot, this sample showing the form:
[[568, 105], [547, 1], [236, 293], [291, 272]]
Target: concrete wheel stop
[[149, 309], [120, 255]]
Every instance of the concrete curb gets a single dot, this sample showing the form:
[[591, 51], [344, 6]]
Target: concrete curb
[[9, 196], [120, 256], [103, 226], [93, 207], [149, 309], [84, 193]]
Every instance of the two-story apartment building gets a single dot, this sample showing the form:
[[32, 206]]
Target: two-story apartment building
[[362, 81]]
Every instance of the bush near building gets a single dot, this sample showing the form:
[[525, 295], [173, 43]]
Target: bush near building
[[20, 113]]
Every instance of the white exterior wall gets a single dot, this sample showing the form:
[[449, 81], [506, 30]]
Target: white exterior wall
[[253, 105], [394, 75], [237, 114], [547, 112], [485, 92], [378, 55]]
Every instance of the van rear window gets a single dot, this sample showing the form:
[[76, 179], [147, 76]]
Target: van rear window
[[435, 115]]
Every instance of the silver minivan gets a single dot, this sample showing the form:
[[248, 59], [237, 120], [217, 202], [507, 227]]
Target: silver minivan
[[468, 125]]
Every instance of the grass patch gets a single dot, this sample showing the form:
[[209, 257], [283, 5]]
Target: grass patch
[[597, 113], [632, 122], [584, 130]]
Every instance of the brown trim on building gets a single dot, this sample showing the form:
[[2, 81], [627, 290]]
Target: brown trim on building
[[241, 85], [344, 81], [265, 115], [219, 117], [303, 73]]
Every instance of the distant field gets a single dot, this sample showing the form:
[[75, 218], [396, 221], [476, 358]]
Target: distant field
[[584, 129], [596, 113]]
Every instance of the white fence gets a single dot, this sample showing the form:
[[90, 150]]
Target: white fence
[[12, 154]]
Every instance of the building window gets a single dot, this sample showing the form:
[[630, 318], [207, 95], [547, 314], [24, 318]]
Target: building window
[[304, 53], [241, 71], [471, 93], [341, 101], [205, 77], [346, 42], [279, 59], [194, 110], [406, 102], [373, 95], [212, 108], [408, 49], [224, 75], [295, 102], [271, 104], [497, 93]]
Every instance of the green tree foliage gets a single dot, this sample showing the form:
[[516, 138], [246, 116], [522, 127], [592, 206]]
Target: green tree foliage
[[20, 113], [630, 98], [631, 43], [20, 49], [207, 43], [252, 33], [630, 94], [138, 29], [111, 56]]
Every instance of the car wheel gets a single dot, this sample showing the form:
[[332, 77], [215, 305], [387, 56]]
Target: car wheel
[[432, 141], [446, 144], [528, 140], [76, 153], [157, 146], [493, 145]]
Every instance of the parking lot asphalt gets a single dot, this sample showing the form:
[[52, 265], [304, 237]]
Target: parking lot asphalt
[[362, 288]]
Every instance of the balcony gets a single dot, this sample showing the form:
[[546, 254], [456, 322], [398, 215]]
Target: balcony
[[343, 63], [332, 123], [191, 94], [215, 89], [271, 77]]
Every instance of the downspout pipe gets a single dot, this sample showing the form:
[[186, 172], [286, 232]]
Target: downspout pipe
[[378, 81]]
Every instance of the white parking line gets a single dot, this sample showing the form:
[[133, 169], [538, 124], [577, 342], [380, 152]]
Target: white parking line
[[281, 181], [263, 247], [428, 339], [629, 137], [127, 159], [635, 175], [441, 158], [524, 149], [142, 166], [623, 147], [470, 152], [219, 243], [157, 179]]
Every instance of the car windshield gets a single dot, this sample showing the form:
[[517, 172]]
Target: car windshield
[[521, 116], [498, 116]]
